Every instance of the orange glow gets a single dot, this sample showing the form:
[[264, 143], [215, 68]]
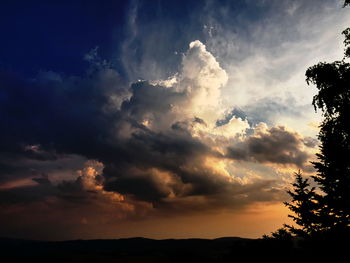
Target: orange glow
[[17, 183], [260, 219]]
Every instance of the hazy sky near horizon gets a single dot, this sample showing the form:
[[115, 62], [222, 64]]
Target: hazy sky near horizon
[[162, 119]]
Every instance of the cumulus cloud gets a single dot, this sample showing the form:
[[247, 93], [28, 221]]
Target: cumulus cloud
[[272, 145], [160, 146], [202, 78]]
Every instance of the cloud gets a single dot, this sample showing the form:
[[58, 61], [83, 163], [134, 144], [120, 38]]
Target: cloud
[[112, 151], [266, 54], [271, 145], [202, 77], [311, 142]]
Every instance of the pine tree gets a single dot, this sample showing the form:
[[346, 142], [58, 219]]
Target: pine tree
[[304, 206]]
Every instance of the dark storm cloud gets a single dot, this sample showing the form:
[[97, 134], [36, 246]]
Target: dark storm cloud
[[20, 164], [49, 118], [132, 129], [147, 150], [26, 194], [46, 117], [149, 100], [43, 179], [148, 138], [42, 189], [276, 145], [165, 152], [232, 196], [54, 117], [50, 112]]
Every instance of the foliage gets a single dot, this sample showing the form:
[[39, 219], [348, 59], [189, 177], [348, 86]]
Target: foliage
[[304, 206], [281, 234], [333, 165]]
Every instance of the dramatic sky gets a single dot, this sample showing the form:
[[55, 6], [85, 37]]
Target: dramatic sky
[[162, 119]]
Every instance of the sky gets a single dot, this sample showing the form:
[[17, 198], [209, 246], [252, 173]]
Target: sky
[[160, 119]]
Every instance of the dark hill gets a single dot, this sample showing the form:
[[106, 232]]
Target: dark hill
[[227, 249]]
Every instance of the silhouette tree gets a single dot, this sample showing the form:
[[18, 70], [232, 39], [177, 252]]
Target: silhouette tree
[[305, 206], [281, 234], [333, 168], [327, 214]]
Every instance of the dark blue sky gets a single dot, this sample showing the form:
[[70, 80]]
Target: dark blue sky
[[55, 35]]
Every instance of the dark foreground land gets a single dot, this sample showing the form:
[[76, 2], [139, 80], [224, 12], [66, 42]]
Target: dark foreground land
[[148, 250]]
